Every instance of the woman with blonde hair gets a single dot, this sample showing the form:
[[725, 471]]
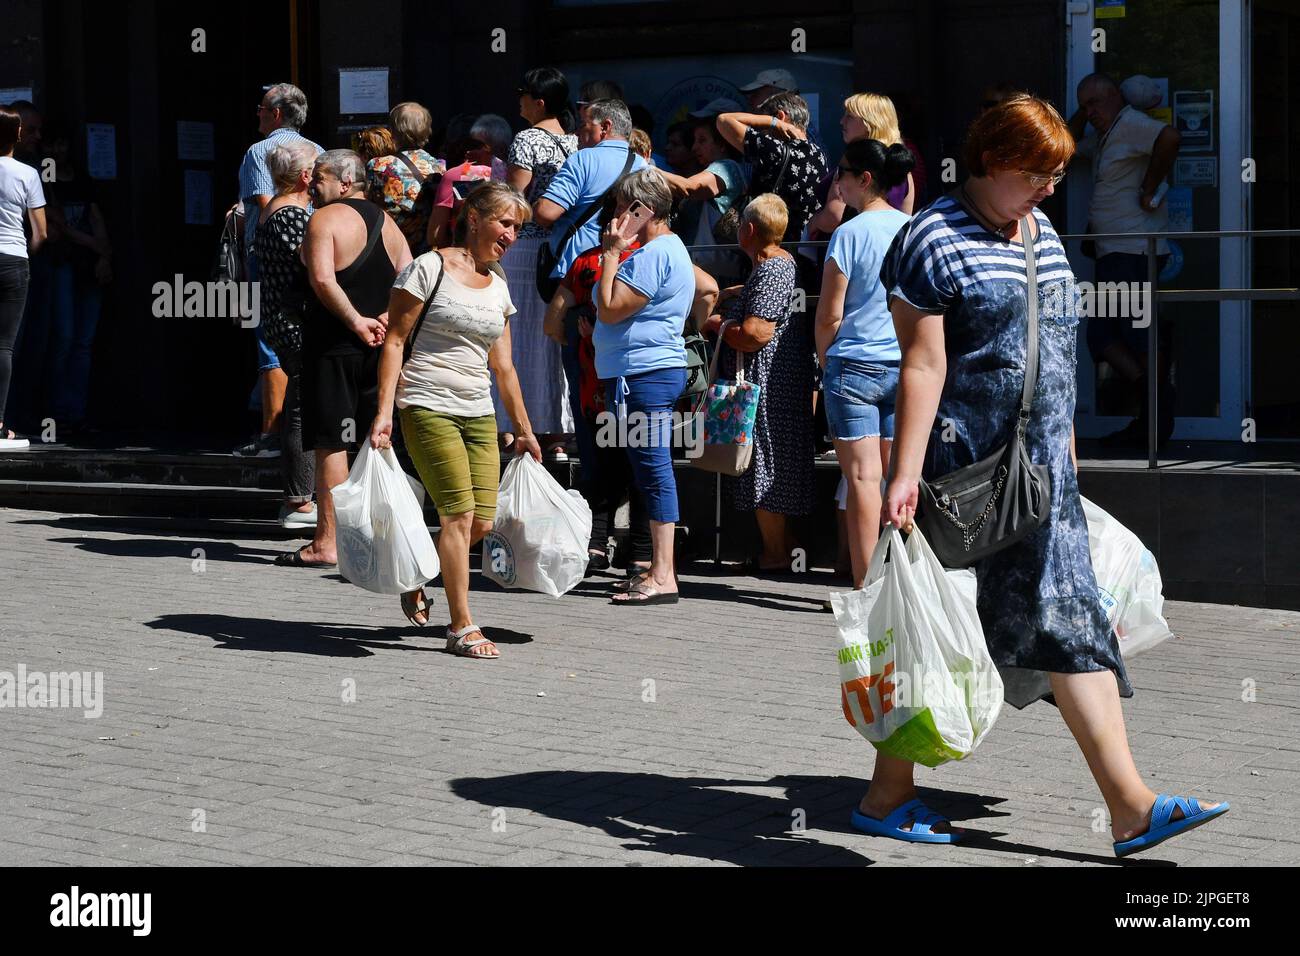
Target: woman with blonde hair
[[458, 311], [866, 116]]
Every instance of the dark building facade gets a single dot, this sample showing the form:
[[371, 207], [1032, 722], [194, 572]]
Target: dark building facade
[[179, 113]]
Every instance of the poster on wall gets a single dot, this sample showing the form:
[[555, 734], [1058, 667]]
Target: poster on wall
[[198, 197], [1179, 203], [101, 150], [363, 89], [1110, 9], [195, 141], [1194, 120], [1196, 171]]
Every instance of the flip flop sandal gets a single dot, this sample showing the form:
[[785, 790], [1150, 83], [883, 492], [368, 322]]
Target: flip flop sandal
[[458, 643], [922, 818], [633, 576], [417, 605], [293, 559], [1163, 826], [647, 595]]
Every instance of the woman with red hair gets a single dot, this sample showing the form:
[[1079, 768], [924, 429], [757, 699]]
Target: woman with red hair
[[958, 282]]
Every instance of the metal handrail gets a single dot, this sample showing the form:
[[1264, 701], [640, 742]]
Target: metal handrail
[[1153, 272]]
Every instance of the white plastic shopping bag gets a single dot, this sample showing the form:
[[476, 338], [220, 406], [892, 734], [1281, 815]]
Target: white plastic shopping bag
[[383, 542], [539, 539], [916, 678], [1128, 582]]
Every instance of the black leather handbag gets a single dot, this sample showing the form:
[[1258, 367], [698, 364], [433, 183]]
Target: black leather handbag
[[979, 510]]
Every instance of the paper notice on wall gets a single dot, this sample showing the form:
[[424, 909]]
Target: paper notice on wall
[[194, 141], [1179, 202], [1194, 120], [363, 90], [1196, 171], [198, 197], [101, 150]]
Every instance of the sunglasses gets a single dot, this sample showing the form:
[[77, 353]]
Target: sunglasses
[[849, 170]]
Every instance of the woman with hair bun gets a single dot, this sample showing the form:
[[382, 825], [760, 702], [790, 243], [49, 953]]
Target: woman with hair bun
[[855, 339]]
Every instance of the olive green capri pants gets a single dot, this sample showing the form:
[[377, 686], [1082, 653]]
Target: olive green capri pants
[[457, 458]]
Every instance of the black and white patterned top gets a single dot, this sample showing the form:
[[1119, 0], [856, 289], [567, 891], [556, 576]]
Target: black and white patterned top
[[282, 274], [543, 153], [804, 173], [780, 476]]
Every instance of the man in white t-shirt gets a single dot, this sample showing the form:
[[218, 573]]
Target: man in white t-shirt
[[1131, 155]]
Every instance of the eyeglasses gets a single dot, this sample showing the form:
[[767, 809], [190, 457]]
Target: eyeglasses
[[846, 170], [1043, 180]]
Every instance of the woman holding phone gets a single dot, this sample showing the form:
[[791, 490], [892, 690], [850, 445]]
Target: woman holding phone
[[641, 357]]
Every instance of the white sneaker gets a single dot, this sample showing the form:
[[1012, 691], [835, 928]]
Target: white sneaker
[[291, 520], [14, 444]]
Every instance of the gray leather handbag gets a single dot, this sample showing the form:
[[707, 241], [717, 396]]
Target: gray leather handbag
[[979, 510]]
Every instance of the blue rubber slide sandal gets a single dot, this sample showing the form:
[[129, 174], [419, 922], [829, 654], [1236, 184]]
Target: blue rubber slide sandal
[[1163, 826], [921, 817]]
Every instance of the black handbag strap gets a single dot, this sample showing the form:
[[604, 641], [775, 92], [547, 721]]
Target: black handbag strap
[[415, 170], [410, 339], [785, 164], [594, 205], [1031, 358]]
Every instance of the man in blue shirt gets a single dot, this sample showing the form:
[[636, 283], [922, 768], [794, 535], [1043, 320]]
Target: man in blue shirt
[[603, 130], [280, 115]]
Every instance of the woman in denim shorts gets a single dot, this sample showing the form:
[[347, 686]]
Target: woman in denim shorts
[[856, 345]]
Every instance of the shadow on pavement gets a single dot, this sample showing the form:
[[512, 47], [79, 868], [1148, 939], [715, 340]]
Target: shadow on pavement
[[163, 548], [326, 640], [171, 527], [715, 819], [295, 637]]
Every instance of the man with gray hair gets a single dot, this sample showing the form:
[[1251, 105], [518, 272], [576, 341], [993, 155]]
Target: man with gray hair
[[784, 159], [570, 209], [280, 115]]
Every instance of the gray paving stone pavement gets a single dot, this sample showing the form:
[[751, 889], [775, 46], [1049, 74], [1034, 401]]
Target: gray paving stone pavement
[[225, 681]]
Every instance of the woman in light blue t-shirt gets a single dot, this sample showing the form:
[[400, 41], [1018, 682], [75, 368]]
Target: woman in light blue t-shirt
[[640, 355], [856, 345]]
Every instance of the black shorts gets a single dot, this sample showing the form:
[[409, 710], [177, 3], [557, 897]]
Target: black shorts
[[340, 394]]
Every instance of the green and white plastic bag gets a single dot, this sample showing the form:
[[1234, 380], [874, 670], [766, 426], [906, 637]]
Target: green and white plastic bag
[[916, 678]]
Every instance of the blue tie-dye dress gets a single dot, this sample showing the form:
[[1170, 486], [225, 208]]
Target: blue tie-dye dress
[[1038, 599]]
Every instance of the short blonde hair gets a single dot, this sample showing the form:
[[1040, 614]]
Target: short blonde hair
[[639, 143], [488, 201], [878, 114], [770, 216], [412, 125]]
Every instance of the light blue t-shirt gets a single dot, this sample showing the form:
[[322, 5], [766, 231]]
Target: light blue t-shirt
[[858, 248], [583, 178], [650, 339]]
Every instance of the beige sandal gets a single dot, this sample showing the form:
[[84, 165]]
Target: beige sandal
[[458, 644]]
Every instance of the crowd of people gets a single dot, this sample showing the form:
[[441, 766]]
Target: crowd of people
[[506, 294]]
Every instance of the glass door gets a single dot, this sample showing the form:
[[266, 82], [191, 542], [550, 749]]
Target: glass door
[[1197, 53]]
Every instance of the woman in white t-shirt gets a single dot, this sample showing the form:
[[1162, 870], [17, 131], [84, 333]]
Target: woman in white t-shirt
[[21, 198], [444, 391]]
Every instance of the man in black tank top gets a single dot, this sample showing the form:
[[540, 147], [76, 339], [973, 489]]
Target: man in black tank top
[[353, 252]]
